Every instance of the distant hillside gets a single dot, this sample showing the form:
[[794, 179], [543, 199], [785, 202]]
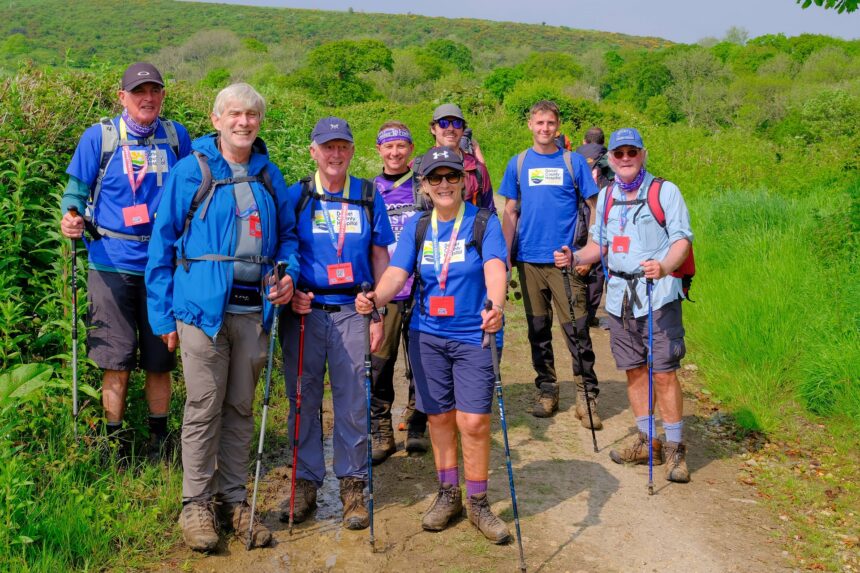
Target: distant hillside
[[83, 31]]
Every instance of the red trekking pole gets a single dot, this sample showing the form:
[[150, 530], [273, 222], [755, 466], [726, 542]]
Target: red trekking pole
[[298, 419]]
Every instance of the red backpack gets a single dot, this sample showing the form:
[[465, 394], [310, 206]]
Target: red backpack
[[687, 270]]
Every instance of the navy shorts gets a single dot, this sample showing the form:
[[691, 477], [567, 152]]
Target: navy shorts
[[119, 326], [450, 375], [629, 342]]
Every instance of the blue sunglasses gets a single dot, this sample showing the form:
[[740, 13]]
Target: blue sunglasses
[[445, 123]]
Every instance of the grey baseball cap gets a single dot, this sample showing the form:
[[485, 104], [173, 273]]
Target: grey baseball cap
[[448, 110], [140, 73]]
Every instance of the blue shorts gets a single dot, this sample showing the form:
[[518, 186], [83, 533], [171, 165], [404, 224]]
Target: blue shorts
[[450, 375]]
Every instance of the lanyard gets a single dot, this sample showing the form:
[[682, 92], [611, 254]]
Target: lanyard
[[129, 167], [442, 273], [337, 243], [402, 180]]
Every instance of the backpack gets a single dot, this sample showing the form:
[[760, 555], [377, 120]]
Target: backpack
[[110, 142], [368, 195], [602, 172], [687, 270], [563, 142], [424, 203], [204, 194], [479, 227], [583, 211]]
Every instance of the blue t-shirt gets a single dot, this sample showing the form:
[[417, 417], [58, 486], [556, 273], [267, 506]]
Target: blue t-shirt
[[549, 203], [116, 194], [465, 276], [317, 251]]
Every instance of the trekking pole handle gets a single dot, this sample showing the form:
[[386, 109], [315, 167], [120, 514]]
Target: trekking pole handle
[[488, 337], [374, 314], [278, 272]]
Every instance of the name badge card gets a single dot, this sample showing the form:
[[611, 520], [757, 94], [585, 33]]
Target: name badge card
[[441, 306], [135, 215], [255, 230], [340, 274], [620, 244]]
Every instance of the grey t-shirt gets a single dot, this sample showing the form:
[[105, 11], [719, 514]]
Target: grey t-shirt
[[249, 237]]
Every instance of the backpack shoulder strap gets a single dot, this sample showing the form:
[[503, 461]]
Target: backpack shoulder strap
[[654, 201], [568, 162], [203, 190], [478, 230], [368, 196], [420, 234], [608, 200], [266, 179], [109, 144], [306, 194], [479, 178], [172, 136], [521, 159]]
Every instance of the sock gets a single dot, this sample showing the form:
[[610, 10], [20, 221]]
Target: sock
[[158, 425], [673, 431], [642, 424], [450, 476], [112, 428], [475, 487]]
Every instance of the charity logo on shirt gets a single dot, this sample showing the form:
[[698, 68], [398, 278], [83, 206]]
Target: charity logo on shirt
[[458, 256], [546, 176], [154, 160], [353, 220]]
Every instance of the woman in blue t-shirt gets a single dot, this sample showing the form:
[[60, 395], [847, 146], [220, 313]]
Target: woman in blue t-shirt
[[453, 372]]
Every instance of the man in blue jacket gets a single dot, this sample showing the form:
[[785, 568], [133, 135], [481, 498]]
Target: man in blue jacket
[[225, 238], [116, 178]]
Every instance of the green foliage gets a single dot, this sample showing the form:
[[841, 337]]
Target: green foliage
[[550, 66], [831, 113], [840, 6], [217, 78], [332, 72], [454, 53], [501, 80], [254, 45]]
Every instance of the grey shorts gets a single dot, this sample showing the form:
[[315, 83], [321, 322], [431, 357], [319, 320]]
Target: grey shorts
[[118, 325], [629, 339]]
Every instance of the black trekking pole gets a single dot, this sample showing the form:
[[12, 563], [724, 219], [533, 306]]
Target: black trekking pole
[[576, 335], [74, 212], [649, 285], [490, 340], [298, 419], [368, 381], [278, 271]]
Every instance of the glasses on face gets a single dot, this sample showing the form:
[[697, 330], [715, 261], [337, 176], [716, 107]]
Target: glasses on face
[[435, 179], [620, 153], [456, 122]]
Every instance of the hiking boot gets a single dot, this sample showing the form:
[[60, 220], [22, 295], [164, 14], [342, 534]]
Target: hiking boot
[[199, 528], [237, 517], [637, 453], [355, 514], [382, 442], [487, 522], [416, 442], [306, 502], [582, 412], [547, 401], [675, 454], [447, 505]]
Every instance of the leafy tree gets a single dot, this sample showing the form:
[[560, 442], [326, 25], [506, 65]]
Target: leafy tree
[[550, 65], [737, 35], [839, 5], [254, 45], [455, 53], [502, 80], [332, 72], [699, 88]]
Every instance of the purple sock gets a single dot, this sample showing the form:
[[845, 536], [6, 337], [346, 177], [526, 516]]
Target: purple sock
[[475, 487], [450, 476]]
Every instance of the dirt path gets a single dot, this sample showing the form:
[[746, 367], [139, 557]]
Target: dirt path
[[579, 511]]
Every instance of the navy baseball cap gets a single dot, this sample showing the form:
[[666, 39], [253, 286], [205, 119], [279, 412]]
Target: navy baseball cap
[[140, 73], [626, 136], [330, 128], [440, 157]]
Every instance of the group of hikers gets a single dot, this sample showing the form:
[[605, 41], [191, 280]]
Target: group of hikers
[[197, 245]]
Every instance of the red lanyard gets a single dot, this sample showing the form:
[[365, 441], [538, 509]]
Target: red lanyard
[[133, 181]]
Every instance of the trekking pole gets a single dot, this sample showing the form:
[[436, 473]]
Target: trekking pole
[[74, 212], [298, 419], [368, 380], [569, 291], [649, 285], [278, 271], [490, 339]]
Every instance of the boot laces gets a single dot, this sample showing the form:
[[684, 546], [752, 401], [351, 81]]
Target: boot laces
[[483, 511], [203, 514]]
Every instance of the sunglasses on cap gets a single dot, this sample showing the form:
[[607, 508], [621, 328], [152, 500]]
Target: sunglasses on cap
[[620, 153], [435, 179], [445, 123]]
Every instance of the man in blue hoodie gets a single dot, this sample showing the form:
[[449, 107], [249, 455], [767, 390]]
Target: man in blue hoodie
[[225, 238]]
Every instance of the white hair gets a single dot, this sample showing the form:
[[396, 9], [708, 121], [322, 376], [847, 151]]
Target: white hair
[[242, 93]]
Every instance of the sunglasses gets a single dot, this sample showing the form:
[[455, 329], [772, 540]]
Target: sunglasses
[[620, 153], [435, 179], [445, 123]]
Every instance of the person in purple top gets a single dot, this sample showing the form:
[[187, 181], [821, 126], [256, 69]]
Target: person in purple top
[[397, 186]]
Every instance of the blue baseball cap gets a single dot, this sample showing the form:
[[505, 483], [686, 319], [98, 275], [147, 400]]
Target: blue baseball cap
[[626, 136], [329, 128]]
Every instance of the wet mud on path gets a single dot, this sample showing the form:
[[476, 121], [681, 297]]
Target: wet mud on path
[[579, 511]]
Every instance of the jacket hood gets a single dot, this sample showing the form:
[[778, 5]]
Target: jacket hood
[[208, 145]]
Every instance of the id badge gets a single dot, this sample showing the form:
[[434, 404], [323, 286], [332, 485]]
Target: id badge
[[620, 244], [441, 306], [340, 274], [135, 215], [255, 229]]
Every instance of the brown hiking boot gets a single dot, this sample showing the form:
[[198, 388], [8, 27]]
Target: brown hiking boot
[[447, 505], [382, 442], [676, 462], [582, 412], [487, 522], [355, 514], [237, 517], [306, 502], [637, 453], [199, 529], [547, 401]]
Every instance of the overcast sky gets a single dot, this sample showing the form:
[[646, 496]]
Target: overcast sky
[[676, 20]]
